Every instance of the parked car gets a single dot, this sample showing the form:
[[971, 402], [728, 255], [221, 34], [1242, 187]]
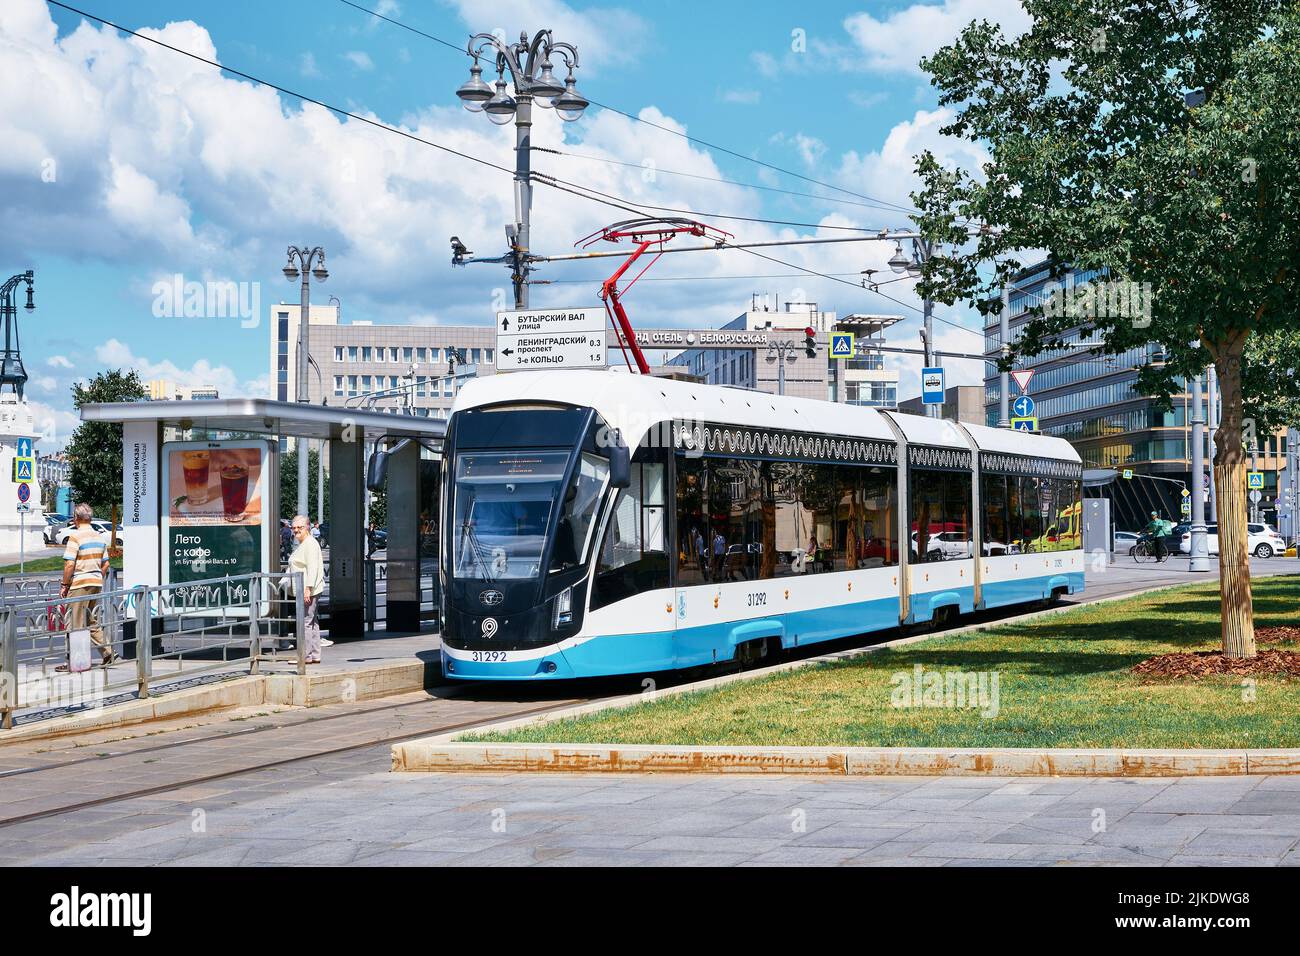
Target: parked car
[[102, 525], [1261, 540], [53, 524], [1125, 541]]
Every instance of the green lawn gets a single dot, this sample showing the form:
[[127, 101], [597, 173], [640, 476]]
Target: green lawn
[[1062, 681], [47, 564]]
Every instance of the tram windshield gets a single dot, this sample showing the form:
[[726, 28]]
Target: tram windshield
[[503, 505]]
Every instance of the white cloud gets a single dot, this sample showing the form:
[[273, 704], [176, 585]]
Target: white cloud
[[359, 59], [117, 354], [810, 148], [740, 97], [54, 425], [888, 173], [58, 361], [307, 65], [167, 166], [897, 42], [603, 35]]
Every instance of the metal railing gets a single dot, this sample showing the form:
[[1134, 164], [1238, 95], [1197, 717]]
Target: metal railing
[[174, 632], [37, 585], [376, 583]]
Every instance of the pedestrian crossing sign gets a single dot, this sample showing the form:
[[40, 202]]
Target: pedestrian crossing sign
[[1255, 480], [22, 469], [1128, 473], [1025, 424], [842, 345]]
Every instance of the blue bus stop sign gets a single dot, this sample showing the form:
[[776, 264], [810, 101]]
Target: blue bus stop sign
[[932, 386]]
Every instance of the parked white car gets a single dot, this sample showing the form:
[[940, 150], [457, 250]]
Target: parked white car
[[98, 524], [1262, 541], [1124, 541]]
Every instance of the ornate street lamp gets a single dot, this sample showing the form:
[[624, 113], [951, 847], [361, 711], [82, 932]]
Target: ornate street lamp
[[532, 80], [302, 262]]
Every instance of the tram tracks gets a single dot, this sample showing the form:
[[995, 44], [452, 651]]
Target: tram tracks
[[190, 780]]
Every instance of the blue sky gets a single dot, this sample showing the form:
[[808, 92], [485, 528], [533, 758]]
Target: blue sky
[[131, 164]]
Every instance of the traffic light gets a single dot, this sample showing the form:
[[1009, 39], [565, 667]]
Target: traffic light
[[810, 342]]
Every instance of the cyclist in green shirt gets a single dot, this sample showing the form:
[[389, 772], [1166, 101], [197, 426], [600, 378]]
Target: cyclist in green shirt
[[1156, 529]]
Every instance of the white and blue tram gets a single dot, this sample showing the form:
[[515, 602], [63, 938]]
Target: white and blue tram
[[598, 523]]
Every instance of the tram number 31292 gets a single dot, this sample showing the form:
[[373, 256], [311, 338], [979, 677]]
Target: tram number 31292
[[757, 598]]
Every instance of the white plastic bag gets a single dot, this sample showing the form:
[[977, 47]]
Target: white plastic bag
[[79, 651]]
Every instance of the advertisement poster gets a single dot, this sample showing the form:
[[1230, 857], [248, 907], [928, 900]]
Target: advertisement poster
[[214, 517]]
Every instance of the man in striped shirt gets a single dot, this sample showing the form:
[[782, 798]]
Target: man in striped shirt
[[85, 564]]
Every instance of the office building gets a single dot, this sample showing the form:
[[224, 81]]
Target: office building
[[1092, 401], [394, 368], [862, 380]]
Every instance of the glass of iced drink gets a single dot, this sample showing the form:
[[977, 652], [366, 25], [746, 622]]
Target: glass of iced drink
[[196, 465], [234, 490]]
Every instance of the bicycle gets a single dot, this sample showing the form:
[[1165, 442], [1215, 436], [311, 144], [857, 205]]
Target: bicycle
[[1146, 551]]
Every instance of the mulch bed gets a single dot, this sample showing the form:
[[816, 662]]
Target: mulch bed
[[1278, 635], [1267, 663]]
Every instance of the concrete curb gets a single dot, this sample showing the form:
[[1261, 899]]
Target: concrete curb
[[315, 689], [445, 752], [632, 700], [430, 756]]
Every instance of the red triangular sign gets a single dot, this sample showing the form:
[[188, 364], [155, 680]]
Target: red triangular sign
[[1022, 378]]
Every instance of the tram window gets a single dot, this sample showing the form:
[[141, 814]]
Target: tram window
[[1031, 518], [803, 513], [866, 523], [940, 515], [736, 509], [578, 512], [994, 534], [926, 515], [692, 522], [633, 556]]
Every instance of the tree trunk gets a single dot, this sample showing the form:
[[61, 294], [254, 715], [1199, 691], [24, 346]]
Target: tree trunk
[[1230, 480]]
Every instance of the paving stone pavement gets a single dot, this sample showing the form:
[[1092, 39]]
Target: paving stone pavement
[[348, 810]]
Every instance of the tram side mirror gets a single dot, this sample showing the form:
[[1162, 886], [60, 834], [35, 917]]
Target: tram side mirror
[[620, 467], [377, 470]]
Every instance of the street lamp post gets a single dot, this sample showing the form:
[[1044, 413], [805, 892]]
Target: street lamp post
[[1200, 553], [300, 264], [534, 83], [780, 352], [899, 263]]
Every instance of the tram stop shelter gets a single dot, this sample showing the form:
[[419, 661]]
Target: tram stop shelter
[[156, 434]]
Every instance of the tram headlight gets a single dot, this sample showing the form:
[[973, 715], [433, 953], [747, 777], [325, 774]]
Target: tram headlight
[[563, 613]]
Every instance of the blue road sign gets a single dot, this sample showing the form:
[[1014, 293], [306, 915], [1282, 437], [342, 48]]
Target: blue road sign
[[24, 448], [23, 469], [1024, 407], [932, 389], [1255, 480], [24, 493], [842, 344], [1025, 424]]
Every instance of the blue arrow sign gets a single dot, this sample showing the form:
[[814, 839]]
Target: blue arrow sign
[[24, 448], [1024, 407]]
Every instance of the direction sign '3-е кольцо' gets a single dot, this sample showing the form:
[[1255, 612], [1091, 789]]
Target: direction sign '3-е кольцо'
[[550, 338]]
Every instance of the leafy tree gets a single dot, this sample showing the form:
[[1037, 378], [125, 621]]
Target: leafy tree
[[95, 451], [289, 485], [1160, 142], [379, 508]]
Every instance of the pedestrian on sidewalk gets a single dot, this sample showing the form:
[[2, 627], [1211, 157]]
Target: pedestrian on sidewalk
[[85, 566], [307, 559]]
